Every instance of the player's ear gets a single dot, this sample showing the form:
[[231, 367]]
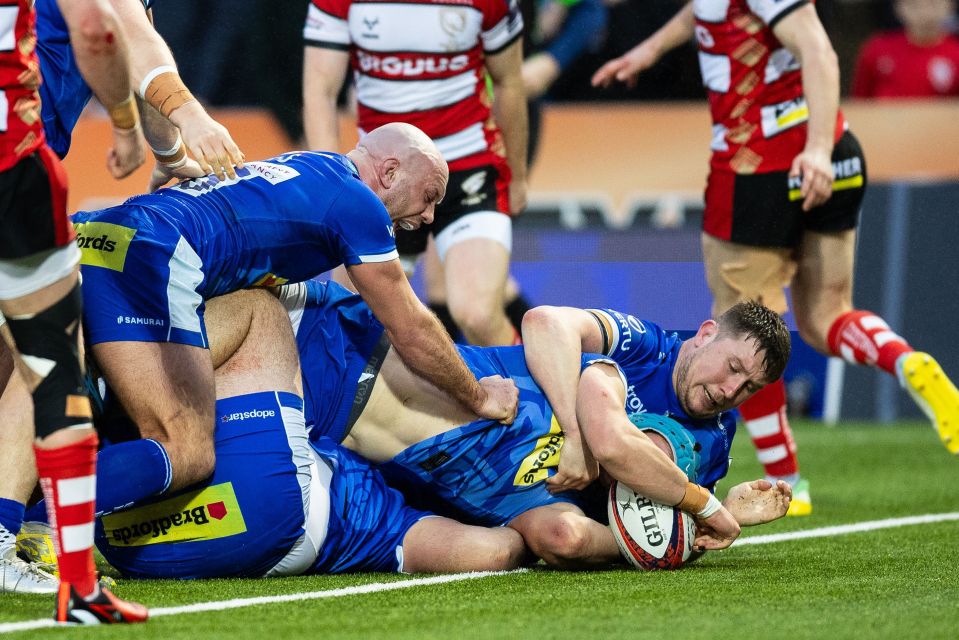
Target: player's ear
[[706, 333], [388, 172]]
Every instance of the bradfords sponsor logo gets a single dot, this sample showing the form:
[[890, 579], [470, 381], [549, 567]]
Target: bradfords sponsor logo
[[400, 67], [199, 515], [545, 456], [103, 244], [247, 415]]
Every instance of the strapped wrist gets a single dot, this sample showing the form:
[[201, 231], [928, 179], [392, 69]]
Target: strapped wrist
[[124, 114], [163, 88], [174, 157], [695, 499]]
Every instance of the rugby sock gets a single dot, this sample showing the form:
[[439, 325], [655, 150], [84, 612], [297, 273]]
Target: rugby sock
[[516, 309], [11, 519], [765, 416], [862, 337], [126, 473], [443, 313], [68, 479]]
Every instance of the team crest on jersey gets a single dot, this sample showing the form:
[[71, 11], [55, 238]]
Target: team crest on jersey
[[206, 514]]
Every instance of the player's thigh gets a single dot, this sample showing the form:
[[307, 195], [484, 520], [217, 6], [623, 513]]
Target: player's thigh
[[434, 276], [252, 344], [166, 388], [737, 272], [440, 545], [476, 272]]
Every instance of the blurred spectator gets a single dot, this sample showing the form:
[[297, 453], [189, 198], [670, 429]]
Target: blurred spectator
[[556, 33], [920, 60]]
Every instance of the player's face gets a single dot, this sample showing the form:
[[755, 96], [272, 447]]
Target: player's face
[[718, 374], [416, 194]]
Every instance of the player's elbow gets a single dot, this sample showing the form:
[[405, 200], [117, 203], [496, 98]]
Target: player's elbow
[[94, 28]]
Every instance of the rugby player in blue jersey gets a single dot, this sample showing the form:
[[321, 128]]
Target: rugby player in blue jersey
[[150, 264], [358, 391]]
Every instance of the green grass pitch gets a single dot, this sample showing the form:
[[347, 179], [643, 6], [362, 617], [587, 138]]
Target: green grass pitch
[[893, 583]]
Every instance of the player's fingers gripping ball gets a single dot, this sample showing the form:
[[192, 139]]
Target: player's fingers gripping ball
[[651, 535]]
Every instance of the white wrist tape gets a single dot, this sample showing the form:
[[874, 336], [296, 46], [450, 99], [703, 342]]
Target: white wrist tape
[[172, 151], [712, 506]]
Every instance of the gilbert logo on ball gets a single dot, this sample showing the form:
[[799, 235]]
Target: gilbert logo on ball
[[649, 535]]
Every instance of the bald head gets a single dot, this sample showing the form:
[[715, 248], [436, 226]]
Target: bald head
[[402, 165]]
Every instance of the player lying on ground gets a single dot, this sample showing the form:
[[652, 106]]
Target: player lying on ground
[[496, 473], [357, 391], [278, 504]]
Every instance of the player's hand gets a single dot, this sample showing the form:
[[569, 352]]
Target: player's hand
[[815, 168], [577, 468], [718, 531], [758, 502], [127, 153], [517, 196], [207, 141], [628, 66], [163, 173], [502, 399]]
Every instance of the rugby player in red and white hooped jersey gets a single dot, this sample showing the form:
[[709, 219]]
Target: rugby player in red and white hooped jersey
[[785, 186], [425, 63]]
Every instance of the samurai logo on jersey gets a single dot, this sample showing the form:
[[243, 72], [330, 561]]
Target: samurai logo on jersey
[[103, 244], [396, 66], [206, 514], [543, 457]]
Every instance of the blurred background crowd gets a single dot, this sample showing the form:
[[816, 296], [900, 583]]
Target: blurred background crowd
[[249, 52]]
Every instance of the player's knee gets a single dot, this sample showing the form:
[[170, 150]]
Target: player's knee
[[567, 537], [475, 317], [48, 342], [503, 550]]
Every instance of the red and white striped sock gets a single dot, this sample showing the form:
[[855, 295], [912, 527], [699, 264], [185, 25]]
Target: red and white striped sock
[[765, 416], [862, 337], [68, 479]]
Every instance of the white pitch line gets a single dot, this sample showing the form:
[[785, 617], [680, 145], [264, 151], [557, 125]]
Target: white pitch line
[[223, 605], [845, 529]]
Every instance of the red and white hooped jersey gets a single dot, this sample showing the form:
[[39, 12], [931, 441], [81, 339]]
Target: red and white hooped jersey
[[421, 62], [754, 85], [21, 129]]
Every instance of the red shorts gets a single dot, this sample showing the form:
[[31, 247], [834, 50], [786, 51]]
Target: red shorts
[[765, 209], [33, 206]]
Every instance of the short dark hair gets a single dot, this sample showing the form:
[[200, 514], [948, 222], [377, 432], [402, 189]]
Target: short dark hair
[[755, 321]]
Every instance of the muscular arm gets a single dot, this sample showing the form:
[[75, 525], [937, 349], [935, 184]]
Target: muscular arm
[[208, 141], [625, 68], [554, 339], [509, 110], [99, 44], [629, 456], [803, 35], [423, 344], [323, 73]]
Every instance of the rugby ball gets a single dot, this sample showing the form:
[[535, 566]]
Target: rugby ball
[[650, 535]]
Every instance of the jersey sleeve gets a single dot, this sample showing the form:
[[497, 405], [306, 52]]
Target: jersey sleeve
[[772, 11], [363, 226], [326, 24], [502, 24], [715, 443], [626, 338]]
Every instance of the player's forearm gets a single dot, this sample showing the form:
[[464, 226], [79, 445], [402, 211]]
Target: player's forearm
[[427, 350], [509, 111], [553, 353], [678, 31], [159, 132], [320, 122], [100, 46], [820, 79]]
